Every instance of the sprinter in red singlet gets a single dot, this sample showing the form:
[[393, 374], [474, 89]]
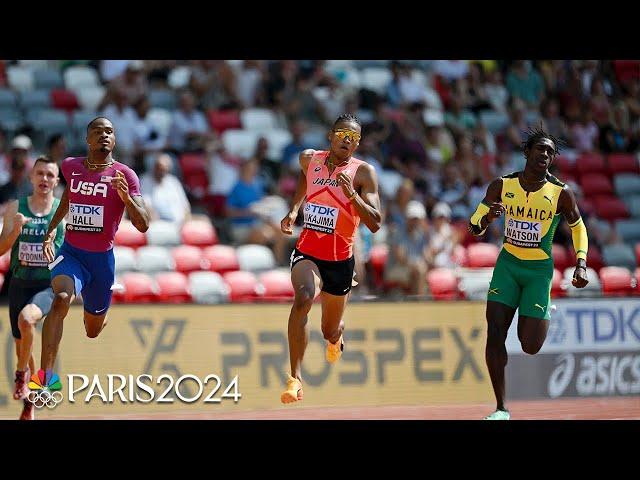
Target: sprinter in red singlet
[[340, 191]]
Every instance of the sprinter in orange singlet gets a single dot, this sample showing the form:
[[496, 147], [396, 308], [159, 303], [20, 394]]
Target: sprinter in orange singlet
[[340, 191]]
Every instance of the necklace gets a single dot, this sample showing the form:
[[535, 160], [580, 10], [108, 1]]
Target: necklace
[[95, 166]]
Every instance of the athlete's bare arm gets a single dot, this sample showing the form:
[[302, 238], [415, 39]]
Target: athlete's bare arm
[[365, 198], [493, 200], [568, 207], [286, 225], [11, 226], [61, 212], [135, 206]]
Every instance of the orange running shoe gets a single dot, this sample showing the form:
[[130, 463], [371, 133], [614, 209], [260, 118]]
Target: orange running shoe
[[293, 393], [334, 350]]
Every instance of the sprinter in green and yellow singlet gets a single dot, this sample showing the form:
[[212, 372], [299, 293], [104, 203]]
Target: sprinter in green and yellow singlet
[[532, 202]]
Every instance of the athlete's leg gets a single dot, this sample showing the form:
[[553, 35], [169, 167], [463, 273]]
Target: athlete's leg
[[307, 284], [532, 333], [29, 316], [94, 324], [332, 323], [64, 292], [499, 318]]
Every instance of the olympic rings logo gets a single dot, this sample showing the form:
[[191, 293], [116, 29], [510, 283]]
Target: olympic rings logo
[[41, 398]]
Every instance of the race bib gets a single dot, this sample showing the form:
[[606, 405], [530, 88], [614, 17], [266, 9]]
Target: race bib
[[85, 218], [31, 255], [522, 233], [320, 218]]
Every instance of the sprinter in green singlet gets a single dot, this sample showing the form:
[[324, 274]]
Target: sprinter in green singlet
[[25, 224], [532, 202]]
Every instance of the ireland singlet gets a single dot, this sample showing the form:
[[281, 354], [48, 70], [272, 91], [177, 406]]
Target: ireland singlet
[[27, 258], [330, 220]]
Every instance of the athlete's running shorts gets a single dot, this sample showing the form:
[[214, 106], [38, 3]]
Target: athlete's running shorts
[[93, 274], [522, 284], [337, 276], [24, 292]]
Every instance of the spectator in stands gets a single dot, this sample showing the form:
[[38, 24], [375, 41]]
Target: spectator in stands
[[163, 193], [616, 136], [451, 69], [189, 130], [132, 84], [443, 238], [632, 99], [57, 148], [149, 138], [249, 83], [296, 145], [584, 133], [268, 168], [301, 104], [214, 83], [524, 82], [439, 144], [406, 264], [123, 119], [553, 122], [517, 129], [5, 162], [599, 102], [475, 85], [110, 69], [497, 94], [18, 185], [247, 225], [397, 208], [458, 119]]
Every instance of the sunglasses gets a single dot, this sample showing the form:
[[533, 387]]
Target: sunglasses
[[343, 133]]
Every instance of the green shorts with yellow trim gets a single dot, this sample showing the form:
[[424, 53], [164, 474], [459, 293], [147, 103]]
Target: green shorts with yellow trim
[[522, 284]]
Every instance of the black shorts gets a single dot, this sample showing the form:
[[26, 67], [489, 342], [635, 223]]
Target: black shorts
[[22, 293], [337, 276]]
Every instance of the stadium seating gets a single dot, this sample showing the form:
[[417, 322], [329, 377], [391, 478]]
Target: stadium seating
[[243, 286], [222, 258], [221, 120], [619, 255], [20, 79], [623, 163], [255, 258], [593, 288], [208, 288], [258, 119], [138, 288], [443, 284], [610, 208], [89, 97], [163, 233], [47, 78], [125, 258], [616, 281], [198, 233], [482, 255], [154, 258], [129, 236], [561, 258], [556, 285], [80, 76], [64, 100], [626, 184], [188, 258], [590, 163], [173, 287], [35, 99], [595, 184], [277, 286], [629, 230]]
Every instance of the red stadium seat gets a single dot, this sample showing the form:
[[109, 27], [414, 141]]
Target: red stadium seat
[[378, 258], [459, 256], [243, 286], [129, 236], [222, 258], [221, 120], [616, 281], [610, 208], [173, 287], [586, 206], [198, 233], [192, 164], [626, 70], [5, 260], [565, 165], [636, 277], [215, 204], [277, 286], [561, 259], [189, 259], [590, 163], [622, 163], [139, 288], [482, 254], [64, 100], [594, 258], [596, 184], [556, 288], [443, 284], [197, 184], [638, 253]]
